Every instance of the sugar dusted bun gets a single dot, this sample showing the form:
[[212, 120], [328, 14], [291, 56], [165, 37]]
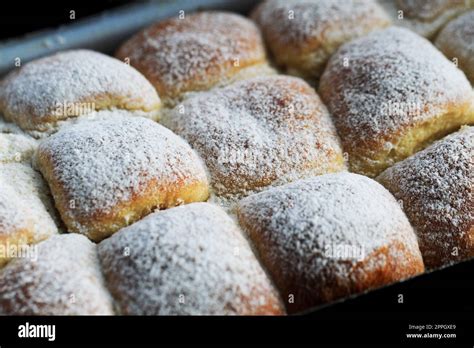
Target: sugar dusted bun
[[44, 93], [16, 147], [105, 174], [187, 260], [329, 237], [27, 215], [424, 17], [196, 53], [24, 218], [390, 94], [436, 188], [456, 41], [303, 34], [259, 132], [60, 277]]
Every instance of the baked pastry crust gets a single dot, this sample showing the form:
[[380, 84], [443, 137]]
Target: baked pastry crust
[[259, 132], [391, 94], [330, 237], [27, 215], [302, 35], [44, 93], [436, 188], [105, 174], [61, 277], [456, 41], [16, 147], [424, 17], [190, 259], [196, 53]]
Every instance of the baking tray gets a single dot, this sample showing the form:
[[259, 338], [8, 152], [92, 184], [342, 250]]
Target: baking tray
[[448, 290]]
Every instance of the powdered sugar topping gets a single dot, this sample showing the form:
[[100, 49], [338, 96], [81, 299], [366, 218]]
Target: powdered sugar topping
[[198, 50], [379, 85], [72, 83], [106, 161], [262, 131], [25, 203], [16, 147], [64, 280], [185, 260], [456, 40], [296, 22], [305, 221], [436, 186], [461, 29]]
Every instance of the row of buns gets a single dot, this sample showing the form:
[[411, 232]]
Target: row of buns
[[295, 229]]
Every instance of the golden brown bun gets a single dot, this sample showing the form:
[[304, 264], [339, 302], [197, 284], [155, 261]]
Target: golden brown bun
[[205, 266], [105, 174], [196, 53], [424, 17], [329, 237], [436, 189], [60, 276], [392, 93], [259, 132], [16, 224], [43, 94], [456, 41], [302, 35], [27, 215]]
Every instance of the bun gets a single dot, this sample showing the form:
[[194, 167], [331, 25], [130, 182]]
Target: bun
[[329, 237], [196, 53], [59, 277], [16, 147], [456, 40], [391, 93], [259, 132], [105, 174], [436, 188], [302, 35], [27, 215], [424, 17], [186, 260], [44, 93]]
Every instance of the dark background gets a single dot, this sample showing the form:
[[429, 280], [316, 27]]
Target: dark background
[[21, 17]]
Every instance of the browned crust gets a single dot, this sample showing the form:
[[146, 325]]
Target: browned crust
[[101, 101], [16, 238], [50, 117], [451, 50], [271, 306], [247, 47], [100, 224], [427, 10], [319, 156], [308, 54], [455, 41], [310, 290], [445, 240], [367, 152], [328, 161], [438, 240]]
